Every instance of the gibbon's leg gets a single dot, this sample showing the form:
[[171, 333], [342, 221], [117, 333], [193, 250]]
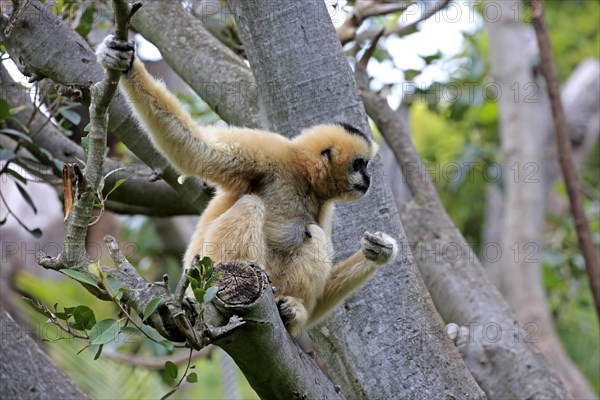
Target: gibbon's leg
[[300, 279], [376, 250], [237, 234], [293, 313]]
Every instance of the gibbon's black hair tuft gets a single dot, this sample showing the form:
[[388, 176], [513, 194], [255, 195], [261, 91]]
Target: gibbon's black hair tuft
[[354, 131]]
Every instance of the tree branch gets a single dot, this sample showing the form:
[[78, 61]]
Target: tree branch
[[139, 194], [565, 160], [74, 253], [38, 38], [156, 363], [285, 372], [215, 72], [363, 10], [402, 30]]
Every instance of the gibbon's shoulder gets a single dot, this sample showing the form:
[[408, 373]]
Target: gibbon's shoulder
[[259, 145]]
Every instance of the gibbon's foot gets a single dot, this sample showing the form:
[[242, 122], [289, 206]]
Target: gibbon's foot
[[116, 54], [293, 314], [379, 247]]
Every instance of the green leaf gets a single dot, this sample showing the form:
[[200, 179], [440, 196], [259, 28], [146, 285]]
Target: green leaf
[[17, 176], [4, 109], [114, 286], [166, 396], [192, 378], [432, 58], [212, 279], [130, 330], [199, 294], [109, 173], [171, 369], [95, 270], [99, 352], [6, 155], [104, 331], [84, 318], [210, 294], [87, 128], [70, 115], [80, 276], [85, 144], [26, 197], [38, 307], [116, 185], [207, 262], [410, 74], [36, 233], [86, 22], [151, 307], [15, 134], [167, 344]]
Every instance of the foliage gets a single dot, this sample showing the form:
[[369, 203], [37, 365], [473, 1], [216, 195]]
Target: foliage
[[91, 373], [202, 279], [574, 32]]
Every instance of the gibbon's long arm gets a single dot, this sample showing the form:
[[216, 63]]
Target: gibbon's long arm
[[376, 251], [229, 157]]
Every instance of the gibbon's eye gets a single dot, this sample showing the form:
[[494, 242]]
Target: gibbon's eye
[[359, 164], [327, 153]]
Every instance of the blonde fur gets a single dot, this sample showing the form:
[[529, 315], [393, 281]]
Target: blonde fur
[[275, 196]]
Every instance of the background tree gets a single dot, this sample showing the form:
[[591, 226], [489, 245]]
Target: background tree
[[292, 91]]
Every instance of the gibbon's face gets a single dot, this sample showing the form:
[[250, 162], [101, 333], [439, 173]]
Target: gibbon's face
[[341, 155]]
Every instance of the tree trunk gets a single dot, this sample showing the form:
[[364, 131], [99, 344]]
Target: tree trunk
[[26, 372], [386, 341]]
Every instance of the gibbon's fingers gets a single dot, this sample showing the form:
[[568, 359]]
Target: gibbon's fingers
[[115, 54], [379, 247]]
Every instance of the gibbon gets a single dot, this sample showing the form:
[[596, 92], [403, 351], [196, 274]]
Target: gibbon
[[275, 196]]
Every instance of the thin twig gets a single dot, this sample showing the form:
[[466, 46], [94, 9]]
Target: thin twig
[[12, 213], [563, 141], [156, 362]]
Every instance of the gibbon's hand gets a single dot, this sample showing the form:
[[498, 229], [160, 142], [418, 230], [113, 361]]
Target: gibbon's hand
[[379, 247], [116, 54]]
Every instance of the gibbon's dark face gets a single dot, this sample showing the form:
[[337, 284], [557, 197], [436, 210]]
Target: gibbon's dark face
[[340, 155], [358, 177]]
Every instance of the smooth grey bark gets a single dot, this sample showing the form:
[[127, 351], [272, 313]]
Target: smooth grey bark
[[495, 348], [35, 38], [386, 341], [26, 372], [525, 126], [137, 195]]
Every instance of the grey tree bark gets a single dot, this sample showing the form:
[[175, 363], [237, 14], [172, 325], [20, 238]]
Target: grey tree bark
[[35, 38], [490, 338], [525, 128], [386, 341], [36, 377]]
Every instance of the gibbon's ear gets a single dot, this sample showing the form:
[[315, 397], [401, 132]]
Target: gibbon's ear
[[327, 153]]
